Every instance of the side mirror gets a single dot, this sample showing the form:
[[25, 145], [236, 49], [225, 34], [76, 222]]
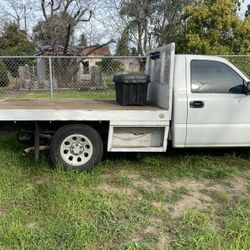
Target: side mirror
[[248, 88]]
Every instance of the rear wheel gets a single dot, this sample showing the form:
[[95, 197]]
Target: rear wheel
[[76, 147]]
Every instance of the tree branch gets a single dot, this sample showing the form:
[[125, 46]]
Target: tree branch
[[44, 9], [58, 7], [87, 19]]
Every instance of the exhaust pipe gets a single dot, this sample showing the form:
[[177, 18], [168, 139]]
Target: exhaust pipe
[[28, 150]]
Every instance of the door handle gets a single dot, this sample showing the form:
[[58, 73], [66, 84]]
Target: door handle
[[197, 104]]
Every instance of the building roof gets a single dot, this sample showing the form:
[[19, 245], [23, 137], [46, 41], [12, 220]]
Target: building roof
[[96, 50], [47, 51]]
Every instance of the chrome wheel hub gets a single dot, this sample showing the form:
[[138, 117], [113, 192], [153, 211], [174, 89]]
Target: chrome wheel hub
[[76, 150]]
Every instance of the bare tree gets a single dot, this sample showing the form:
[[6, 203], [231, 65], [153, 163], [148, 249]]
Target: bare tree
[[16, 11], [67, 15], [105, 24]]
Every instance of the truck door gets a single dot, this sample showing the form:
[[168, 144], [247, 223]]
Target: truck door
[[218, 108]]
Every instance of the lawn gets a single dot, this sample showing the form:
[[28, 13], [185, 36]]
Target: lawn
[[105, 95], [179, 200]]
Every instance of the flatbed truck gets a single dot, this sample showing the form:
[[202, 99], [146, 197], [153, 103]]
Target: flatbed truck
[[192, 101]]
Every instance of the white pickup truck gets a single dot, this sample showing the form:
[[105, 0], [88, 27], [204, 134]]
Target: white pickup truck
[[193, 101]]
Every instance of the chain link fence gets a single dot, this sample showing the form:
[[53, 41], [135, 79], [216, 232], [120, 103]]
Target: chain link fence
[[64, 77], [73, 77], [242, 62]]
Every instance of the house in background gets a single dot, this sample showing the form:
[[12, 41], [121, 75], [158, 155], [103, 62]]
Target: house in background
[[94, 51]]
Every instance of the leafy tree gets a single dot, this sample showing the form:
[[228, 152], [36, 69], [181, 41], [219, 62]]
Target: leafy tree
[[122, 48], [110, 66], [213, 27], [14, 42]]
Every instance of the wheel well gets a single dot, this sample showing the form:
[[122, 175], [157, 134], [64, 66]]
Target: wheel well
[[48, 127]]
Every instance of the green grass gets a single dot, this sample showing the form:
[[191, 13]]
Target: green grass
[[224, 229], [115, 205], [70, 95], [218, 196]]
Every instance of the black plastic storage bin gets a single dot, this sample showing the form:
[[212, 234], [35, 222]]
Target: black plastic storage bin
[[131, 89]]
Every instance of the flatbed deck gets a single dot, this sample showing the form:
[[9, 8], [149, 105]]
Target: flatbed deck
[[69, 105], [79, 110]]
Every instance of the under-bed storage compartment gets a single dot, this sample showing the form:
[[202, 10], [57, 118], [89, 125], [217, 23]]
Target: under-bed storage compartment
[[137, 139]]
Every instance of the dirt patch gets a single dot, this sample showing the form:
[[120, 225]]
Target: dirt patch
[[137, 239], [108, 176], [164, 185], [157, 204], [239, 186], [163, 241], [155, 233], [149, 185], [192, 185], [150, 230], [110, 188], [196, 200], [155, 221], [32, 225], [3, 210], [234, 187], [41, 180], [133, 177], [142, 183], [196, 197]]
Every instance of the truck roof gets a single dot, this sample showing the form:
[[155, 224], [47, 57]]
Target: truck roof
[[199, 57]]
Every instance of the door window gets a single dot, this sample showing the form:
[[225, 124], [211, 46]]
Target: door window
[[214, 77]]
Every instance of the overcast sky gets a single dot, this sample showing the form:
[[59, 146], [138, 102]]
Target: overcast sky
[[244, 8]]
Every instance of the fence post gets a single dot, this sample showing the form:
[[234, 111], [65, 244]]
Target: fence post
[[51, 79]]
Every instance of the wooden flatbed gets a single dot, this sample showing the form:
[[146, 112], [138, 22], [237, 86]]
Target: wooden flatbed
[[69, 105]]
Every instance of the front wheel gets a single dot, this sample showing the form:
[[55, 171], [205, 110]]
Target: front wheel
[[76, 147]]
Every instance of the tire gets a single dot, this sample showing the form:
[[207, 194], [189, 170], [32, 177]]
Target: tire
[[77, 147]]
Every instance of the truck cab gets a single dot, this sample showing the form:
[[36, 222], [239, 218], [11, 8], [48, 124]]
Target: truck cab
[[210, 103]]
